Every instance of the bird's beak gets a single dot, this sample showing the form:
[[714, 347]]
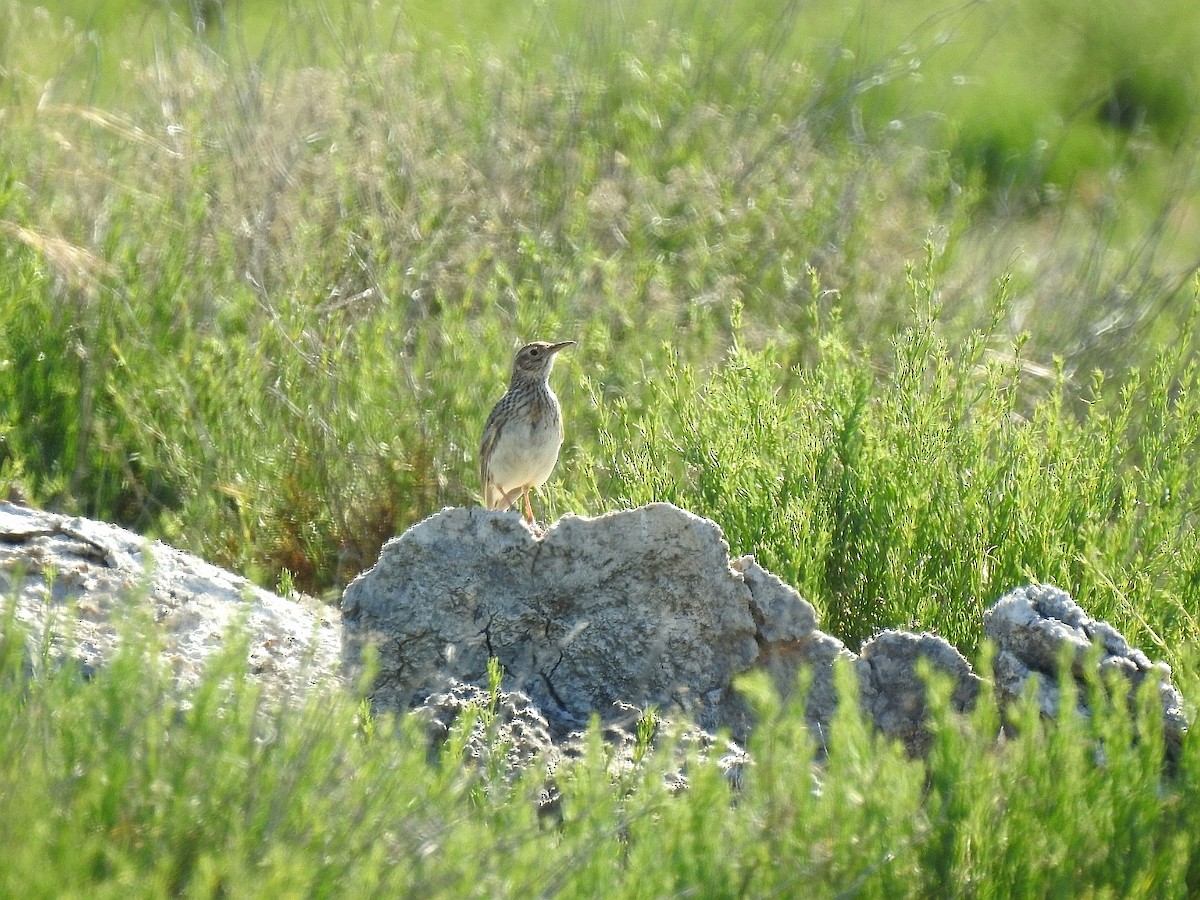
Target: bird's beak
[[561, 345]]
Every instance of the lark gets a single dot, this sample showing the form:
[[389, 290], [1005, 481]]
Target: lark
[[524, 431]]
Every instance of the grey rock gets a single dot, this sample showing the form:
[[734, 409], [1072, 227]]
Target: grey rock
[[790, 644], [613, 615], [781, 615], [81, 585], [1035, 626], [508, 736], [618, 616], [817, 657], [893, 692], [683, 741], [636, 607]]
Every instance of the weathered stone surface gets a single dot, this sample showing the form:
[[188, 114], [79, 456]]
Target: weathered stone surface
[[509, 722], [683, 741], [77, 581], [642, 608], [1033, 626], [509, 734], [635, 607], [893, 692], [789, 642], [781, 615]]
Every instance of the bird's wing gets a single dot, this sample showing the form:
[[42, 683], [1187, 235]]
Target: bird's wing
[[491, 434]]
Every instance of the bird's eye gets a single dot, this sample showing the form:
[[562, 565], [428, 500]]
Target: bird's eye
[[535, 352]]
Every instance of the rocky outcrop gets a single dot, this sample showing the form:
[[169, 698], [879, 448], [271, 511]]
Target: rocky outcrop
[[505, 732], [632, 614], [611, 615], [81, 585], [502, 722], [638, 607]]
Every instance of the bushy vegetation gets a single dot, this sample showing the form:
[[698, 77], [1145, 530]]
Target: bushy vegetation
[[119, 786], [901, 297]]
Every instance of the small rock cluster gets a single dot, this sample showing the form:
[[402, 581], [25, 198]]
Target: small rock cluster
[[1034, 626]]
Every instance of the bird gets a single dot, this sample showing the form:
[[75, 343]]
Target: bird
[[524, 431]]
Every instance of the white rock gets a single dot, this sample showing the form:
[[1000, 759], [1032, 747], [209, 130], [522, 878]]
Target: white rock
[[80, 585]]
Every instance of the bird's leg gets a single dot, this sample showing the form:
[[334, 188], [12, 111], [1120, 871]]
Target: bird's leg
[[508, 499], [538, 530]]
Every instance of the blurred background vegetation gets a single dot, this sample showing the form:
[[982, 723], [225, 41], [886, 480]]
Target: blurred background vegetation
[[898, 292]]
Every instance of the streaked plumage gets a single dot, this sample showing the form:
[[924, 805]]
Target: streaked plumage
[[524, 431]]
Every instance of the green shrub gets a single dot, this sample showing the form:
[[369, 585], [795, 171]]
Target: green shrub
[[123, 785]]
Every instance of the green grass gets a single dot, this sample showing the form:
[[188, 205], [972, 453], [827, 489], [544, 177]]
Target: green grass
[[121, 786], [909, 337]]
